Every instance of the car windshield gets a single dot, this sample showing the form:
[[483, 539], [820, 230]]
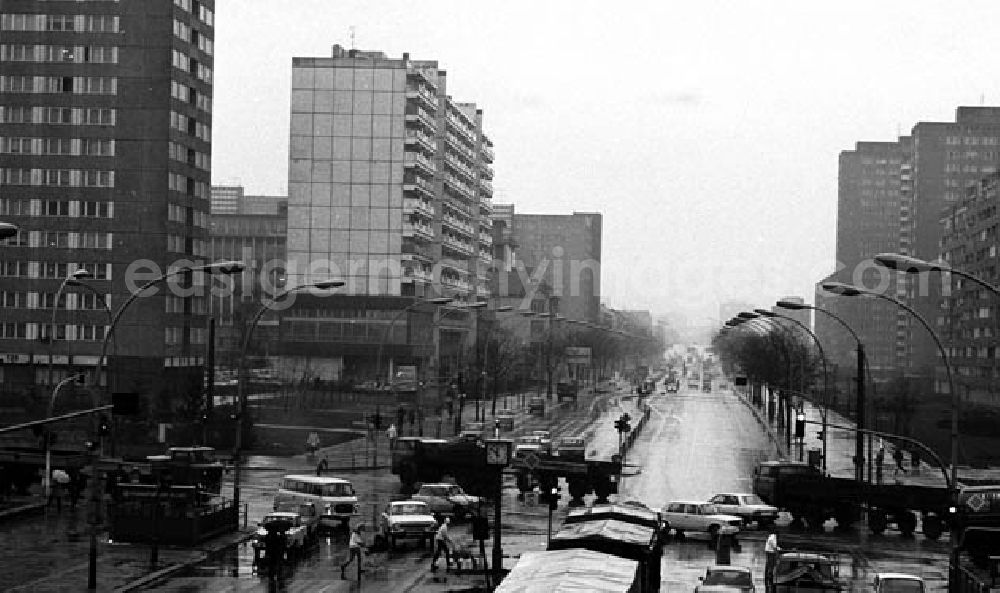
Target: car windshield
[[751, 499], [338, 490], [707, 509], [409, 509], [902, 586], [734, 578], [825, 569], [455, 491]]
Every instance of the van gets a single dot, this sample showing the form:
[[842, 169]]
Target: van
[[334, 497]]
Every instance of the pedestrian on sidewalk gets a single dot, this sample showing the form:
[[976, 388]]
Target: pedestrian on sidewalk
[[58, 482], [392, 433], [322, 466], [898, 457], [442, 544], [354, 546], [771, 550]]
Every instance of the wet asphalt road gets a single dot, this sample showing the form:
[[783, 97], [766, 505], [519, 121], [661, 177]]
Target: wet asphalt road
[[696, 444]]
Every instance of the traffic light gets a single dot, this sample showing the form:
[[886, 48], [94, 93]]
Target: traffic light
[[103, 426], [554, 498], [800, 425], [819, 435]]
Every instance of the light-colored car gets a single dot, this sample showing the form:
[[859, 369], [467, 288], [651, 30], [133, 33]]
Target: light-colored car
[[295, 534], [692, 516], [407, 519], [748, 506], [448, 500], [570, 448], [529, 442], [726, 579], [897, 582]]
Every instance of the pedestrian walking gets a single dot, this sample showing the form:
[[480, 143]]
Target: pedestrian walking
[[392, 433], [59, 481], [442, 544], [322, 466], [879, 459], [898, 457], [354, 546], [771, 550]]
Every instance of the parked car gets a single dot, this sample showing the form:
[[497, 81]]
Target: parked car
[[897, 582], [545, 437], [571, 448], [726, 579], [528, 442], [448, 499], [308, 513], [407, 519], [290, 524], [748, 506], [696, 517]]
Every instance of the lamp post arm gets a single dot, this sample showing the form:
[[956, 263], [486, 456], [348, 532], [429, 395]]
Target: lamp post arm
[[52, 325], [385, 336], [995, 290], [835, 318]]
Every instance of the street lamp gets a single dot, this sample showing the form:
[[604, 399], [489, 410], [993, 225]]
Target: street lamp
[[912, 265], [839, 288], [47, 480], [75, 278], [388, 329], [241, 378], [223, 267], [826, 376], [859, 421]]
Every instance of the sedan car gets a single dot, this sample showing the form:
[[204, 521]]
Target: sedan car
[[719, 579], [896, 582], [407, 519], [748, 506], [696, 517], [449, 500]]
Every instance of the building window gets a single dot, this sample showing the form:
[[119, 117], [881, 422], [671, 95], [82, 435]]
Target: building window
[[172, 335], [95, 240]]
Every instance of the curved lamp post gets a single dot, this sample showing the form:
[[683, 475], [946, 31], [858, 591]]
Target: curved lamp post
[[242, 379], [223, 267], [842, 289], [388, 330], [912, 265], [826, 376]]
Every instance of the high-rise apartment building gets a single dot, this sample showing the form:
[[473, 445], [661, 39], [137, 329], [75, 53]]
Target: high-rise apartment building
[[970, 243], [389, 178], [105, 136], [563, 254], [873, 216], [389, 190]]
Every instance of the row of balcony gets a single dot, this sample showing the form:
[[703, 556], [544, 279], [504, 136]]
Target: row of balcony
[[460, 126], [486, 185], [459, 147], [419, 185], [463, 189], [422, 76], [486, 205], [457, 165], [415, 159], [486, 171], [457, 223], [418, 206], [425, 140], [418, 230], [458, 245], [456, 283], [485, 238], [487, 151], [418, 274], [419, 115], [422, 95]]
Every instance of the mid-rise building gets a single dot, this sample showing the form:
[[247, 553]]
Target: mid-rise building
[[561, 254], [105, 136]]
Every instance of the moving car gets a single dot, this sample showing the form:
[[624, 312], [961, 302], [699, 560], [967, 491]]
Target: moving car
[[407, 519], [748, 506], [449, 500], [334, 497], [697, 517], [897, 582], [726, 579], [798, 571], [570, 448], [290, 524], [529, 442], [308, 514]]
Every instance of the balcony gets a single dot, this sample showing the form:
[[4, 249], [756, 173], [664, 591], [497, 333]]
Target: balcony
[[487, 152], [485, 239], [425, 141], [459, 126], [485, 205], [461, 189], [411, 274], [423, 98], [459, 167], [485, 256], [456, 283], [413, 251], [419, 185], [419, 162], [456, 224], [422, 117], [486, 171], [423, 77], [418, 207], [416, 230], [486, 185], [457, 245]]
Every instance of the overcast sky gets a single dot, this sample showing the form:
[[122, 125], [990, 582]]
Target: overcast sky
[[706, 133]]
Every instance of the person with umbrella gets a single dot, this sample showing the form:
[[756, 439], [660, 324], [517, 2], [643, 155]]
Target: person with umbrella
[[59, 481]]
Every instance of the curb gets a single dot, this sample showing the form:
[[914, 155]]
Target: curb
[[163, 573], [24, 510], [766, 426]]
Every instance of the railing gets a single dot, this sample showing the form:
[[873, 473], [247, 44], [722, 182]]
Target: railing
[[458, 224], [421, 229], [412, 157], [485, 238], [417, 205], [458, 245], [464, 189], [421, 137], [487, 151]]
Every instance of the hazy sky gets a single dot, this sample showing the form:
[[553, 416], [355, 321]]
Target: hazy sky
[[707, 133]]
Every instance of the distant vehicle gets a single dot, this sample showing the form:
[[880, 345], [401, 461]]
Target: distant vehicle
[[806, 571], [529, 442], [449, 500], [896, 582], [545, 436], [696, 517], [506, 422], [308, 514], [747, 506], [726, 579], [407, 519], [536, 406], [570, 448], [294, 531], [334, 497], [567, 391]]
